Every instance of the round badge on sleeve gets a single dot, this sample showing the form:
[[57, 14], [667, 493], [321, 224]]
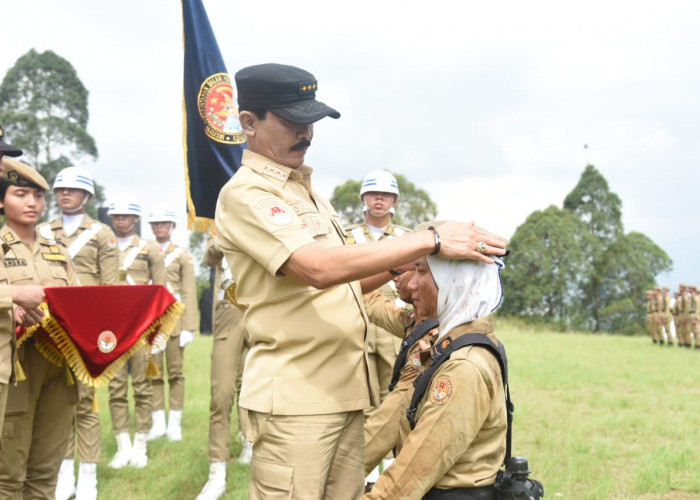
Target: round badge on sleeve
[[106, 341], [441, 392], [278, 215]]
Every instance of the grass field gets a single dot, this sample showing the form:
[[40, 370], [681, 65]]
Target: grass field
[[598, 417]]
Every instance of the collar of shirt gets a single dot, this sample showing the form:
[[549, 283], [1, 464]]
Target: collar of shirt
[[275, 172]]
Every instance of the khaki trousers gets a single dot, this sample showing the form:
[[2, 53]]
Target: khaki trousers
[[307, 456], [386, 426], [87, 425], [143, 394], [4, 389], [174, 358], [38, 417], [227, 357]]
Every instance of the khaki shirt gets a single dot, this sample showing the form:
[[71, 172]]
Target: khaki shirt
[[460, 436], [307, 345], [97, 262], [7, 331], [183, 284], [43, 263], [147, 267]]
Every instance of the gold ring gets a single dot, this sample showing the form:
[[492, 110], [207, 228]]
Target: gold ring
[[481, 247]]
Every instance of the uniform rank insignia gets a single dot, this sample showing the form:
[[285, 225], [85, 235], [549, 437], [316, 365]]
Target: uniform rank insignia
[[9, 238], [54, 257], [441, 391]]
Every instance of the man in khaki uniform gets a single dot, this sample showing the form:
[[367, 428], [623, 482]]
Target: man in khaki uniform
[[40, 408], [227, 357], [304, 382], [666, 315], [459, 439], [379, 193], [694, 316], [140, 263], [682, 330], [652, 313], [26, 296], [183, 285], [93, 249], [658, 317]]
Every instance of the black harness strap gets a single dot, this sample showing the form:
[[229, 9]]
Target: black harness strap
[[418, 332], [423, 380]]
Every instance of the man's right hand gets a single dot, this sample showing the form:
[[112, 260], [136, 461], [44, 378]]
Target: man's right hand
[[461, 240], [28, 296]]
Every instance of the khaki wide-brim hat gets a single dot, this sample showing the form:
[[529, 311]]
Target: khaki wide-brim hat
[[20, 174]]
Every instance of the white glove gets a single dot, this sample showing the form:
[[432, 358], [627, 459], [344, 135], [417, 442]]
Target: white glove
[[186, 336], [159, 345]]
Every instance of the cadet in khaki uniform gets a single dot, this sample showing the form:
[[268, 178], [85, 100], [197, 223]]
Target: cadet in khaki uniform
[[387, 427], [658, 319], [27, 296], [681, 317], [379, 193], [305, 376], [666, 315], [459, 441], [140, 263], [182, 284], [684, 307], [40, 408], [93, 248], [227, 357], [694, 316], [650, 318]]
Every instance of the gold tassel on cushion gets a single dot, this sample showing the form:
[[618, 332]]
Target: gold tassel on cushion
[[95, 403], [19, 373], [152, 370]]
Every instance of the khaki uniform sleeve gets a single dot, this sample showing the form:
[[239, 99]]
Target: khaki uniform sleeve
[[261, 225], [385, 314], [5, 296], [444, 432], [108, 260], [156, 265], [188, 291], [212, 254]]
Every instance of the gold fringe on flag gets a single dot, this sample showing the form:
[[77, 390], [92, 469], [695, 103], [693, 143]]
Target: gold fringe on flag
[[164, 323]]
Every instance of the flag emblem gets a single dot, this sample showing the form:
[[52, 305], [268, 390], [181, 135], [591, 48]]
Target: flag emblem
[[217, 109], [106, 341]]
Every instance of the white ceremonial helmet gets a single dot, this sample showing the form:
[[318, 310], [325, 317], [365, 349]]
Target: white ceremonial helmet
[[124, 206], [75, 178], [161, 214], [379, 181]]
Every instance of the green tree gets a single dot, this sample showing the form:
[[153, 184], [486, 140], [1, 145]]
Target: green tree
[[44, 108], [414, 205], [544, 267], [601, 210], [629, 267]]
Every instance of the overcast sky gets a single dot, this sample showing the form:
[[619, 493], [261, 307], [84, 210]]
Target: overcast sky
[[486, 105]]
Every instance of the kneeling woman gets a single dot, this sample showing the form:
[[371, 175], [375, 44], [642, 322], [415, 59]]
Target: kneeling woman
[[459, 441], [40, 409]]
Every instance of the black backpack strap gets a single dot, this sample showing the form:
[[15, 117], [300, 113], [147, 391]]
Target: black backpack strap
[[418, 332], [423, 380]]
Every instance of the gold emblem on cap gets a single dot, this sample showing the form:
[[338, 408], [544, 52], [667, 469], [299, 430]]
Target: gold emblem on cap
[[13, 176]]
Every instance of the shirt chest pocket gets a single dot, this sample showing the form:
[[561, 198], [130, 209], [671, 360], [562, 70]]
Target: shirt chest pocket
[[59, 277], [310, 218]]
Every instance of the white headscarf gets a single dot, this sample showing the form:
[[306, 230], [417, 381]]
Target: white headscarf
[[467, 290]]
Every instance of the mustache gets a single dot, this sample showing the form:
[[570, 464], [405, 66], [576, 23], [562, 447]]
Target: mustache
[[302, 144]]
